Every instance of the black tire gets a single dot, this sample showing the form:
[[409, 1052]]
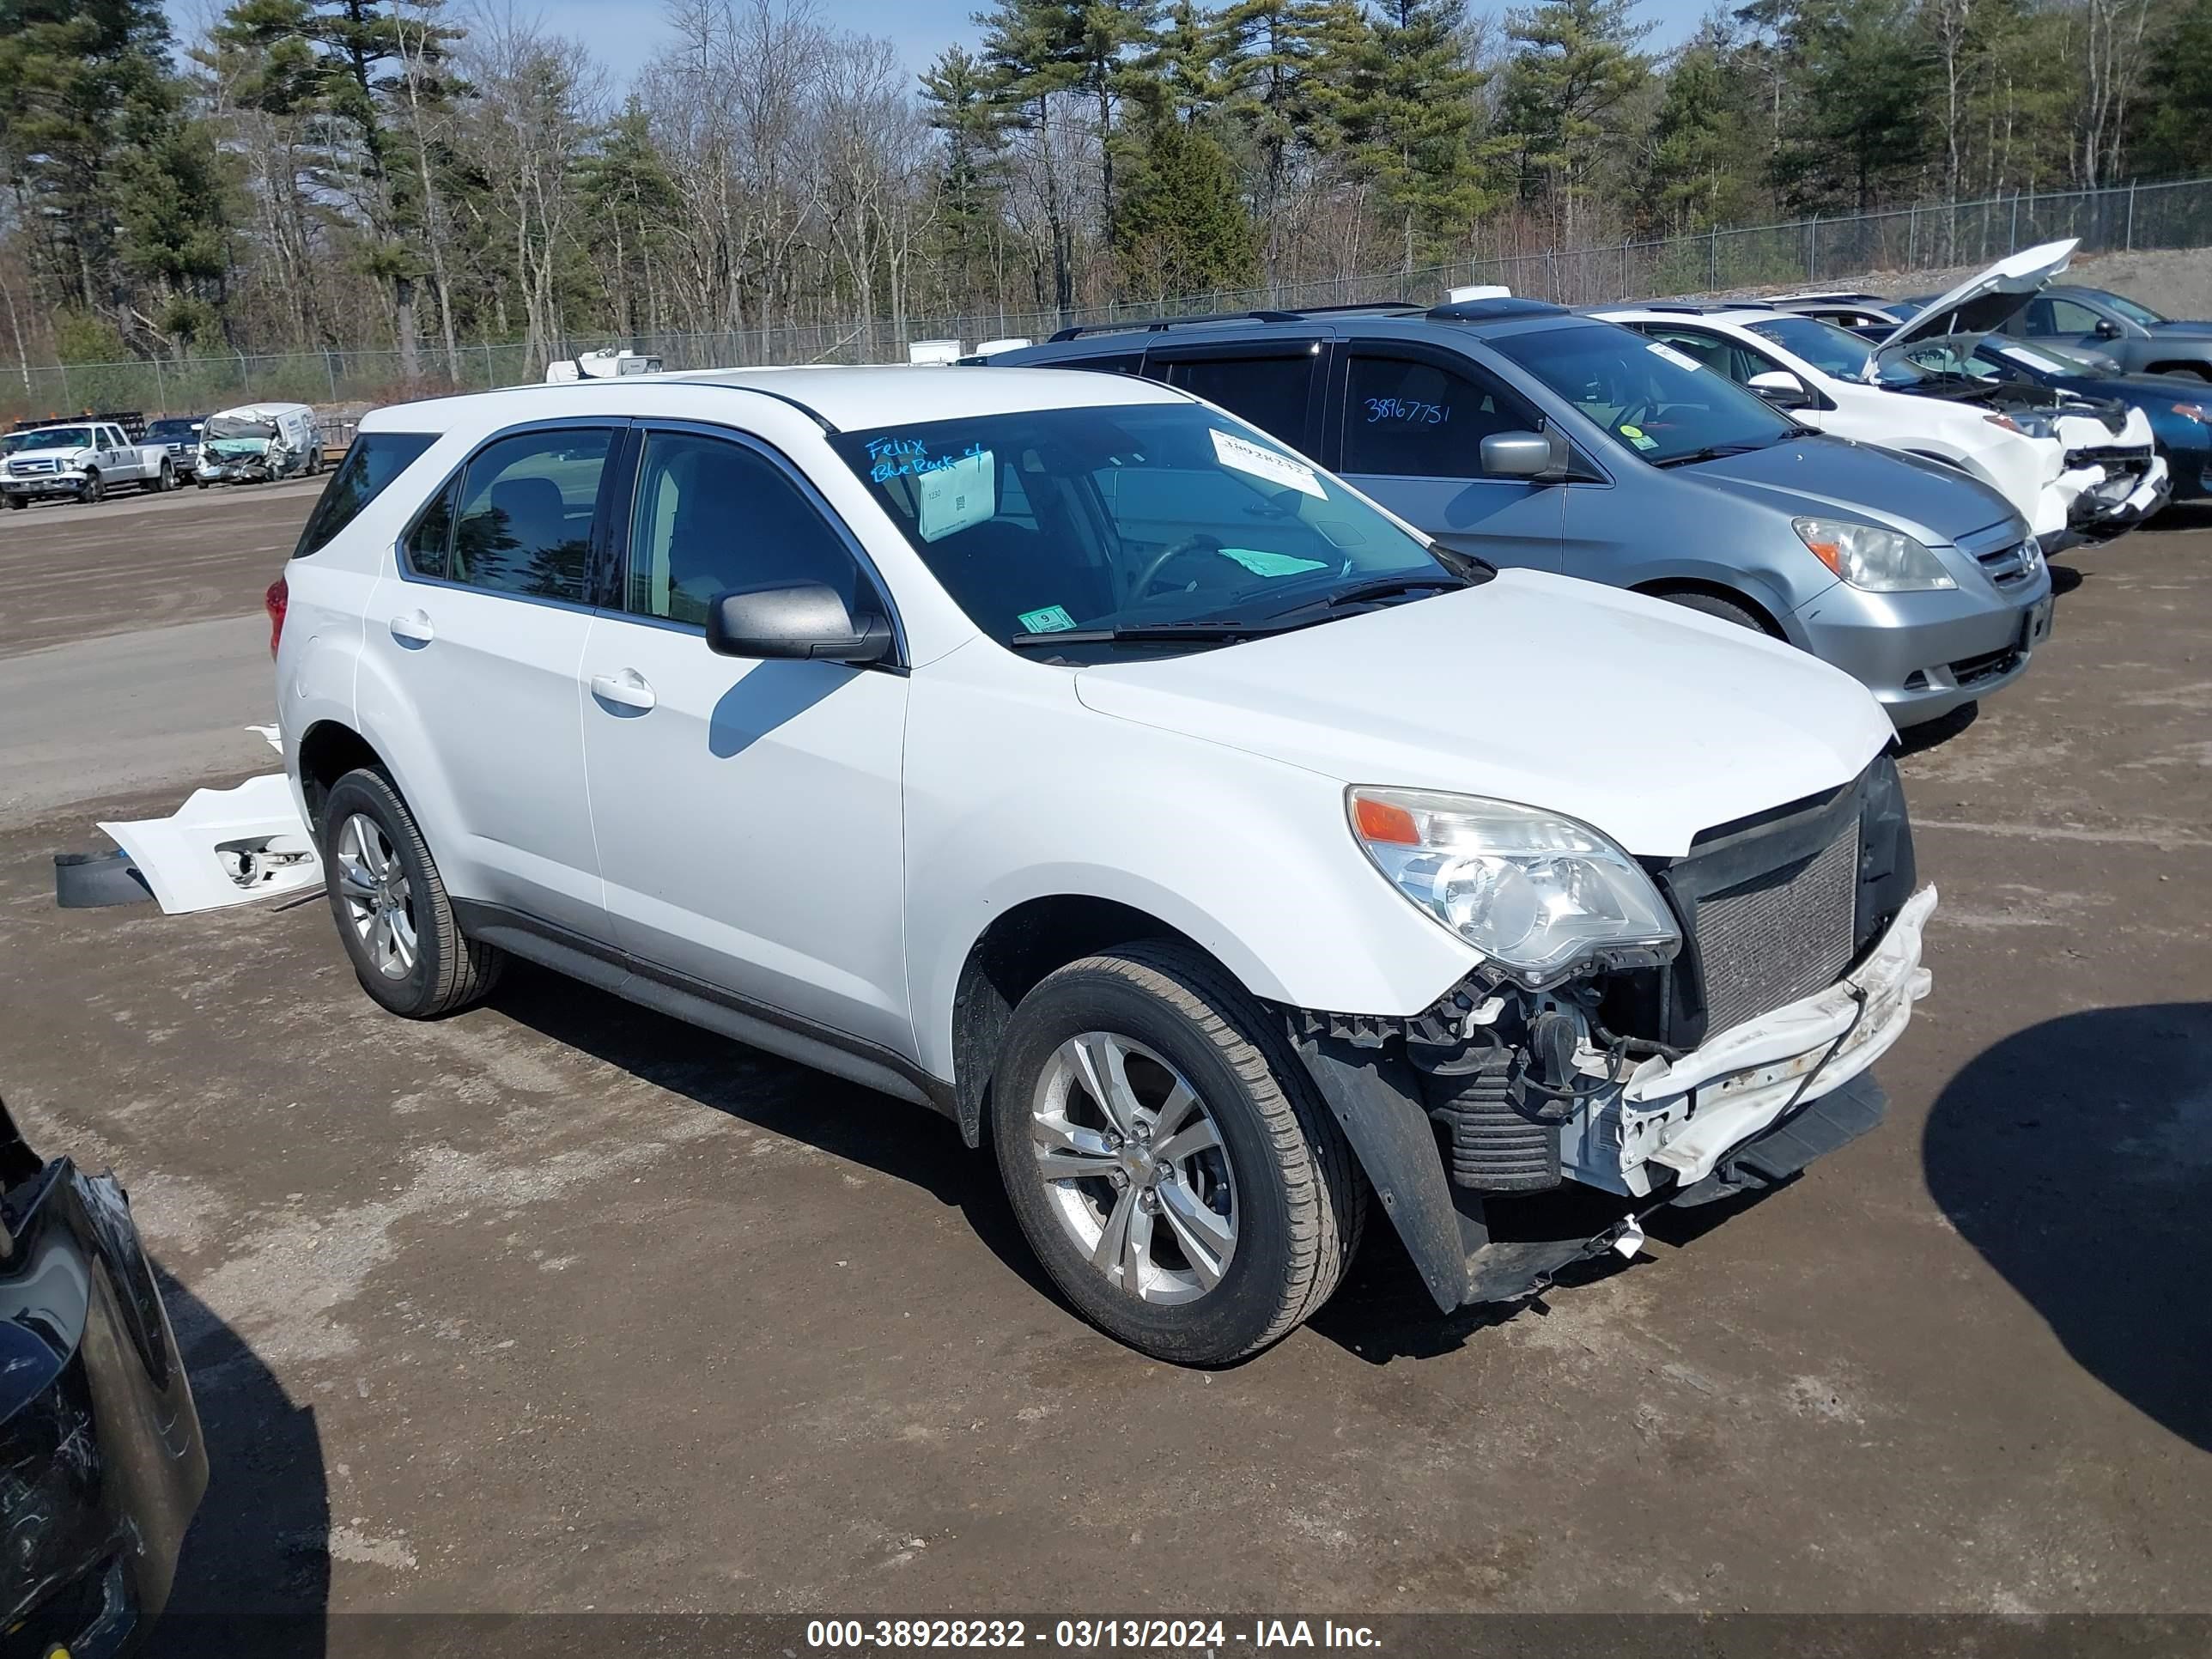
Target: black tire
[[450, 971], [1299, 1202], [17, 503], [165, 481], [94, 489], [1712, 605], [202, 483]]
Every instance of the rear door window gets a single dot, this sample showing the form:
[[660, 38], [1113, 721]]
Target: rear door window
[[1274, 392], [1408, 416], [519, 521], [375, 459]]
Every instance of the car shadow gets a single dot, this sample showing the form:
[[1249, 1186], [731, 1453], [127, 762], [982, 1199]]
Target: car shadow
[[2178, 516], [1918, 739], [254, 1574], [2077, 1157], [2064, 579], [845, 1120]]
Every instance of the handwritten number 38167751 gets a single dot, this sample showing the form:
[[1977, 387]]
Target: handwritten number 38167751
[[1403, 411]]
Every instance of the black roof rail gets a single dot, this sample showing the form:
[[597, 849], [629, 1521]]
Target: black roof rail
[[1161, 325]]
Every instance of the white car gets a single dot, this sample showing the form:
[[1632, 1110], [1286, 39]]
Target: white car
[[2062, 473], [81, 460], [1060, 753]]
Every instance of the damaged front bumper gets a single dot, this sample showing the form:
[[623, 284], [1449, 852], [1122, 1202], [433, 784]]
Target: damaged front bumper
[[1747, 1107], [1684, 1115]]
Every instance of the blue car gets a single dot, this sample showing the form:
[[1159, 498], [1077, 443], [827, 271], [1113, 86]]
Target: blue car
[[2179, 408]]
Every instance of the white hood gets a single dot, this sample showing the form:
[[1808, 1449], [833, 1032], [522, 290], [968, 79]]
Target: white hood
[[1646, 721], [1986, 300]]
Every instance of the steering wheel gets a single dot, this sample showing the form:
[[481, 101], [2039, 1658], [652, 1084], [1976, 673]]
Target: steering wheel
[[1167, 555], [1635, 417]]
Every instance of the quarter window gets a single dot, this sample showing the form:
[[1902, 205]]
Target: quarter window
[[1404, 417], [712, 516], [375, 459], [524, 521], [1271, 392]]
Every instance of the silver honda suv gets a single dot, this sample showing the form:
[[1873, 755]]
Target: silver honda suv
[[1520, 433]]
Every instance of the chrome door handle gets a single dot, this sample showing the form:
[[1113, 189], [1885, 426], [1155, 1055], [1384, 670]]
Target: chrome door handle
[[414, 628], [625, 689]]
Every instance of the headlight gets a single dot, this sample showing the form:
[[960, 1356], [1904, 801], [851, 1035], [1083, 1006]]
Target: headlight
[[1870, 558], [1536, 893]]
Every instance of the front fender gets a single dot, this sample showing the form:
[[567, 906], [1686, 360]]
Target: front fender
[[1249, 857]]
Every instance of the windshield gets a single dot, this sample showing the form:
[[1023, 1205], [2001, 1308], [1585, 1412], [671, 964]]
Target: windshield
[[1133, 516], [1655, 401], [2131, 311], [55, 437], [1833, 350], [2048, 359], [168, 431]]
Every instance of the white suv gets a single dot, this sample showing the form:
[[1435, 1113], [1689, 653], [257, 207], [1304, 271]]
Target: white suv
[[1057, 752]]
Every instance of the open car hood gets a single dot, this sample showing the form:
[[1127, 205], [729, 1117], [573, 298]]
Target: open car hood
[[1987, 301]]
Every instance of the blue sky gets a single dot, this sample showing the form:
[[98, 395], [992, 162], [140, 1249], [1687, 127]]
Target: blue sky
[[625, 33]]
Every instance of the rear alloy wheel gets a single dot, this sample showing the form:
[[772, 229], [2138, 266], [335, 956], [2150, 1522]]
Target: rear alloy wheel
[[393, 917], [167, 480], [1167, 1158]]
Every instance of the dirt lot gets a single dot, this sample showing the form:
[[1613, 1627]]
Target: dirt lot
[[558, 1304]]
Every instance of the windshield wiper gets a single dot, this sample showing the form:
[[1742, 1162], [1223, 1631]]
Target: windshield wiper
[[1711, 452], [1384, 588], [1143, 633], [1230, 628]]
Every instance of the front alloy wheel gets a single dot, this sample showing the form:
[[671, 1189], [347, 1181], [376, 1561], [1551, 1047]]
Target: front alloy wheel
[[1167, 1155], [379, 901], [1134, 1167]]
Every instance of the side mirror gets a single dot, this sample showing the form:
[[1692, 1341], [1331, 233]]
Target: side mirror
[[1781, 388], [2107, 329], [804, 620], [1516, 455]]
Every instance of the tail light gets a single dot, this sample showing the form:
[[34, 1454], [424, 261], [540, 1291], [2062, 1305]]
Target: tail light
[[274, 602]]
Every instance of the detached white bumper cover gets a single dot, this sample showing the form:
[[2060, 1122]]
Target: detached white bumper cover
[[1686, 1114]]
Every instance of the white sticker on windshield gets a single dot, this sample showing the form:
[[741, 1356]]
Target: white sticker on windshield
[[955, 494], [1680, 359], [1262, 462]]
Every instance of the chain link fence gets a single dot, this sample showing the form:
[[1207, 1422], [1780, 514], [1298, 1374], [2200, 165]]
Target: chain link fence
[[1807, 252]]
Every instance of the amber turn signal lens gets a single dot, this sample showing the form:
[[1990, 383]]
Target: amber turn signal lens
[[1378, 820]]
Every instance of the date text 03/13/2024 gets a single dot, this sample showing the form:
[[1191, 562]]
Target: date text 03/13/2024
[[1208, 1636]]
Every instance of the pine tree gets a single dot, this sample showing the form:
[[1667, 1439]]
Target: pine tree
[[1183, 228], [1035, 50], [1564, 88], [363, 72], [1864, 79], [1411, 117], [2173, 125], [629, 196], [957, 94], [1698, 147], [1113, 33], [115, 190], [1186, 63], [1277, 57]]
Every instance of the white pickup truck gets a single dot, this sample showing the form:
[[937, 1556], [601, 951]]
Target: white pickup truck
[[82, 460]]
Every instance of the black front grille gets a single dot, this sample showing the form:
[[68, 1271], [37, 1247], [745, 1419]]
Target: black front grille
[[1973, 671], [1772, 908], [1779, 936]]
